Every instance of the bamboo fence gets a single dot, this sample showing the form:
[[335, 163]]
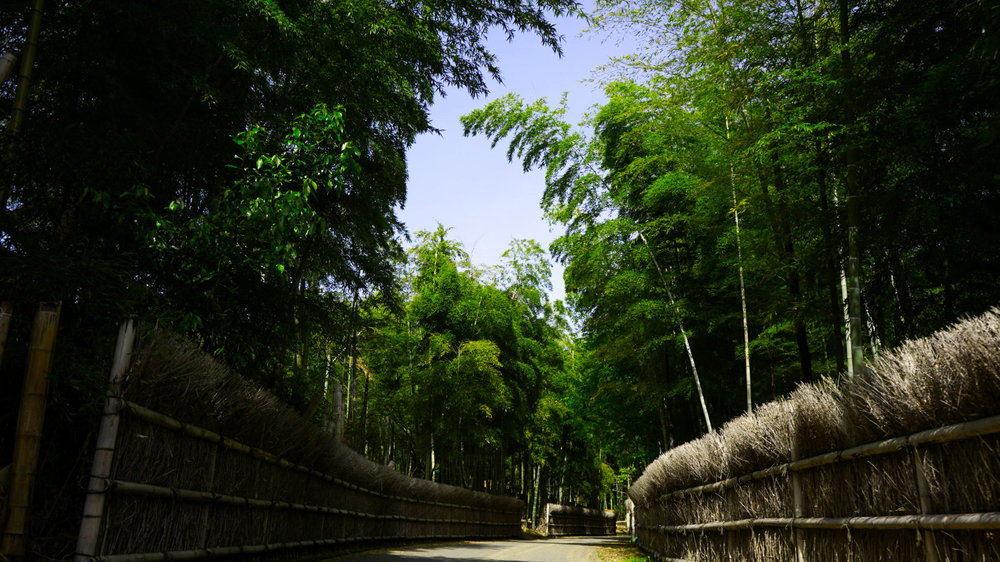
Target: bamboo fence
[[931, 495], [565, 520], [166, 489], [914, 522]]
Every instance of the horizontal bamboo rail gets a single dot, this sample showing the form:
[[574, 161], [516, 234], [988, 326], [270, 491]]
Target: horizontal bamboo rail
[[196, 432], [943, 522], [955, 432], [181, 494]]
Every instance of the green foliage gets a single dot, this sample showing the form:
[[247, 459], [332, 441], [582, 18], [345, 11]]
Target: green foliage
[[757, 107]]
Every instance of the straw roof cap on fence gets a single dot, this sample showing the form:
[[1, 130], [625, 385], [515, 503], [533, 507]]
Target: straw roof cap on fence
[[177, 379], [950, 377]]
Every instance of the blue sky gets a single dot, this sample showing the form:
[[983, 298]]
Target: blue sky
[[463, 184]]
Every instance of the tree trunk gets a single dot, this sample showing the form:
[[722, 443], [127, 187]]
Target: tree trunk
[[352, 381], [28, 437], [832, 259], [20, 107], [853, 205], [687, 344], [743, 290]]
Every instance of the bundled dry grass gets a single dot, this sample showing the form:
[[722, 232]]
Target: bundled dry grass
[[950, 377], [176, 379]]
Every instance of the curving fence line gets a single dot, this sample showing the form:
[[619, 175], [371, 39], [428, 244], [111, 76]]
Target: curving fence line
[[833, 474], [166, 489]]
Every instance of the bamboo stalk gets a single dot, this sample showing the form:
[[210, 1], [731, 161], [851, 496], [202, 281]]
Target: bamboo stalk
[[798, 504], [926, 504], [27, 66], [107, 436], [30, 419], [955, 432], [6, 314], [206, 516]]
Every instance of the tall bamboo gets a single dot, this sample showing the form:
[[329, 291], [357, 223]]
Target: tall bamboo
[[6, 314], [743, 290], [687, 344], [853, 204], [30, 419], [23, 85], [107, 436]]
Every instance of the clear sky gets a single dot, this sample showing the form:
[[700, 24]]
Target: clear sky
[[463, 184]]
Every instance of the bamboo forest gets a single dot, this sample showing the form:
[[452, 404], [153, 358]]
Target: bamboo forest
[[773, 192]]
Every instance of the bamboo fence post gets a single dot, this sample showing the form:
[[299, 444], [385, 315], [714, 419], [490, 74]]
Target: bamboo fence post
[[6, 313], [30, 419], [798, 502], [107, 436], [209, 487], [926, 505]]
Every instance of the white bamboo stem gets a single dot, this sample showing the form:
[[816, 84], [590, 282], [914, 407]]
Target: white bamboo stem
[[107, 436], [687, 343]]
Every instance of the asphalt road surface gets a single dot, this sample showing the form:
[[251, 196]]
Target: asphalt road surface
[[563, 549]]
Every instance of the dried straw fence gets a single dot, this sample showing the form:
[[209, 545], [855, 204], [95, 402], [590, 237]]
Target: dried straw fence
[[900, 463], [246, 476], [562, 520]]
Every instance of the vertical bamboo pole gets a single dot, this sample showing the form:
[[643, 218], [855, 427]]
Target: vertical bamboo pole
[[30, 419], [926, 505], [107, 436], [206, 517], [798, 502], [6, 313]]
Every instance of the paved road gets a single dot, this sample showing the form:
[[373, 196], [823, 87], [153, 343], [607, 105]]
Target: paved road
[[563, 549]]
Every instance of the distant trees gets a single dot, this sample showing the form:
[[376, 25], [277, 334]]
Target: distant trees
[[471, 382]]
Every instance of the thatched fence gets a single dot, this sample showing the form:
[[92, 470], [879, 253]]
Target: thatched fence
[[243, 474], [900, 463], [563, 520]]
